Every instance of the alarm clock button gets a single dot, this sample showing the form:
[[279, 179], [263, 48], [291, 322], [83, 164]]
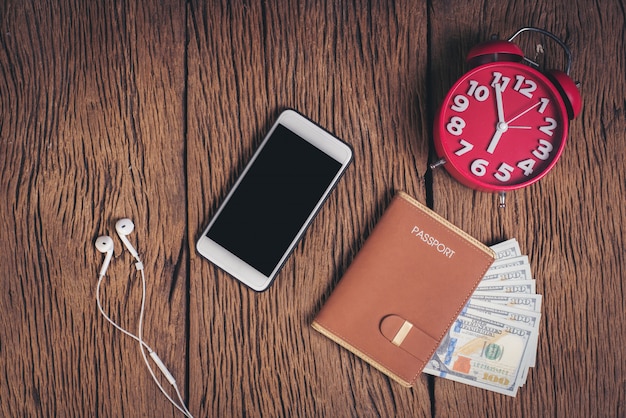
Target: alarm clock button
[[491, 51], [569, 91]]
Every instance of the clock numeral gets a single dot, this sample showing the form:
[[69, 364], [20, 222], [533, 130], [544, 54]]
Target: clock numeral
[[504, 172], [549, 128], [544, 104], [480, 93], [543, 150], [527, 166], [498, 78], [526, 91], [479, 167], [455, 126], [461, 103], [466, 147]]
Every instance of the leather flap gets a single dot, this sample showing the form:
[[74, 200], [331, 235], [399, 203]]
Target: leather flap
[[408, 337]]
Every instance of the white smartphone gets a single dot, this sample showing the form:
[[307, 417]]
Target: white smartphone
[[274, 200]]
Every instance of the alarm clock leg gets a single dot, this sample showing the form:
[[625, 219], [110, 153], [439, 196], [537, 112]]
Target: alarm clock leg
[[438, 163], [502, 199]]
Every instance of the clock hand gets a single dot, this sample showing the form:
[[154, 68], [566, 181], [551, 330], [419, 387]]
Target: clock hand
[[500, 129], [501, 126], [519, 115], [498, 89]]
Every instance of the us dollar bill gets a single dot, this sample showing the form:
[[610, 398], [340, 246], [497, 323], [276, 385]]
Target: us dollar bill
[[520, 301], [509, 286], [509, 262], [520, 272], [528, 318], [507, 249], [484, 352]]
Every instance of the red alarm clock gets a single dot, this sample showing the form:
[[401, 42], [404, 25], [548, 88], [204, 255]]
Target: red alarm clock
[[503, 125]]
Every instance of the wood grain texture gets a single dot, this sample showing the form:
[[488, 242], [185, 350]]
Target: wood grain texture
[[356, 71], [150, 111], [569, 223], [92, 130]]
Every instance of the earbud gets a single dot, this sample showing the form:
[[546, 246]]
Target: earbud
[[104, 244], [124, 227]]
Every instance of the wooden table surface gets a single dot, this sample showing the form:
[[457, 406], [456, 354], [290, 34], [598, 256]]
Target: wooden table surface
[[149, 110]]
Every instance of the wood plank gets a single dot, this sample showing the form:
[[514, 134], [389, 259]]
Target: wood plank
[[359, 71], [123, 109], [92, 125], [569, 223]]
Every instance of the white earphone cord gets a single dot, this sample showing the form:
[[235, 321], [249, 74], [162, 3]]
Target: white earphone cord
[[143, 346]]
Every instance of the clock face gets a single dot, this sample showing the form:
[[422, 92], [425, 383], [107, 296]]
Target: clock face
[[502, 126]]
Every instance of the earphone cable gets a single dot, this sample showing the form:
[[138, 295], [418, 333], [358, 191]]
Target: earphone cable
[[111, 321], [144, 346], [167, 374]]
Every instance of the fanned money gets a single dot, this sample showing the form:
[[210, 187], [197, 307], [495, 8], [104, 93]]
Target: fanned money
[[493, 343]]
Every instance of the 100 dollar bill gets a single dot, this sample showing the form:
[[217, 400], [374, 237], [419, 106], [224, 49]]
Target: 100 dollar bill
[[508, 262], [484, 352], [521, 301], [526, 317], [521, 272], [508, 286], [530, 318], [507, 249]]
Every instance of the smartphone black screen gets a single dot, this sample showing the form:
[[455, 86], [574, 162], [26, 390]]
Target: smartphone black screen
[[273, 200]]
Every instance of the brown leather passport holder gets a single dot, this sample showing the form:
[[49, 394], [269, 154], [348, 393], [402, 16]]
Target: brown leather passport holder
[[403, 290]]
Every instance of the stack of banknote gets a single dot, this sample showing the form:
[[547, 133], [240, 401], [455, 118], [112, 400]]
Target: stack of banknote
[[493, 342]]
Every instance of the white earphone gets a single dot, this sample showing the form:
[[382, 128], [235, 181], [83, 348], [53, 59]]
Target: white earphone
[[104, 244], [124, 227]]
